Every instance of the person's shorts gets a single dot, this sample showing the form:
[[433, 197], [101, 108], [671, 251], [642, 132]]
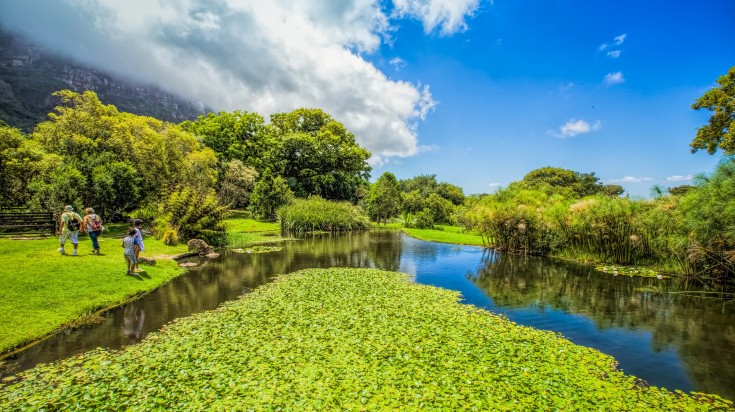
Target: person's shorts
[[69, 235], [130, 258]]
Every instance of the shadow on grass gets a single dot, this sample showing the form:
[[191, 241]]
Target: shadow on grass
[[139, 275]]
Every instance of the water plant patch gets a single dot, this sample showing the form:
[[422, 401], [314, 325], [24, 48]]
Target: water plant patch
[[345, 339], [629, 271]]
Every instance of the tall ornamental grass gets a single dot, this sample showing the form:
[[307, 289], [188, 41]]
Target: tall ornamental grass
[[316, 214]]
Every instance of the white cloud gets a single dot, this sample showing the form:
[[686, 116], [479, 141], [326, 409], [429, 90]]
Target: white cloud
[[447, 15], [397, 63], [679, 178], [614, 54], [630, 179], [575, 127], [614, 78], [493, 184], [617, 41], [253, 55]]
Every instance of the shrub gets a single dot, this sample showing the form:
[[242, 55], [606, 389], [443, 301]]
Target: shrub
[[317, 214], [188, 214], [424, 219]]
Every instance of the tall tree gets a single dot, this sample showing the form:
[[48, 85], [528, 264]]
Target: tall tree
[[384, 199], [720, 132], [577, 184], [237, 135], [317, 155]]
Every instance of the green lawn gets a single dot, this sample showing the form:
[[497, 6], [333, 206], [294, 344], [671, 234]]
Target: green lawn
[[450, 234], [345, 339], [242, 232], [42, 291]]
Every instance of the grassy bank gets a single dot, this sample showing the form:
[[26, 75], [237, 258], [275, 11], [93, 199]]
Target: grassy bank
[[243, 232], [448, 234], [354, 339], [43, 291]]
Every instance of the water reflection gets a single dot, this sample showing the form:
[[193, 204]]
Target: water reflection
[[665, 337], [655, 330], [133, 320]]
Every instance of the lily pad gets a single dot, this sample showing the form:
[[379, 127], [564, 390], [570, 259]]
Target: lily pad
[[629, 271], [258, 249]]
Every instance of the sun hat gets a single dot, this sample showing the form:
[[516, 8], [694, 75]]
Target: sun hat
[[68, 208]]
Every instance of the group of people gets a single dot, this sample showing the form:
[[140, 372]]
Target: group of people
[[71, 223]]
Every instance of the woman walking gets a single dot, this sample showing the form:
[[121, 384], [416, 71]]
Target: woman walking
[[93, 226]]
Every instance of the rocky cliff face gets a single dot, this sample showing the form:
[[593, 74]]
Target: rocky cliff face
[[28, 76]]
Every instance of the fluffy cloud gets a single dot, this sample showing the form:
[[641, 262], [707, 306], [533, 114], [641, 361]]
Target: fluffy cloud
[[614, 78], [252, 55], [679, 178], [630, 179], [575, 127], [446, 15]]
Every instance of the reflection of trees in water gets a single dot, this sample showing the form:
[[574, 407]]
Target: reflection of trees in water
[[700, 329]]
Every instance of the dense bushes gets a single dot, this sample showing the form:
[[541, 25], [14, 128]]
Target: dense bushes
[[317, 214], [692, 232]]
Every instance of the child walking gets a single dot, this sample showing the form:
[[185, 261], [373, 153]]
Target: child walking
[[139, 237], [130, 247]]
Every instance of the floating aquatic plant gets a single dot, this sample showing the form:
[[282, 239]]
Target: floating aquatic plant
[[345, 339]]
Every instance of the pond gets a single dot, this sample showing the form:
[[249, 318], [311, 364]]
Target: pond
[[656, 329]]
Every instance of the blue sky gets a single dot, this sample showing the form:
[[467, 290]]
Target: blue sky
[[523, 69], [477, 92]]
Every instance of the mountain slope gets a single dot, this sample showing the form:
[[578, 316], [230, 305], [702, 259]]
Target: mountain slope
[[29, 75]]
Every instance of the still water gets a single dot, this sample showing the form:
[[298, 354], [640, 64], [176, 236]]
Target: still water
[[654, 328]]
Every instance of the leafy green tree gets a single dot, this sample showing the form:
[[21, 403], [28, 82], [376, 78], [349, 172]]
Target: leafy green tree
[[21, 161], [317, 155], [237, 135], [453, 193], [424, 184], [384, 198], [564, 181], [270, 193], [441, 209], [111, 152], [680, 190], [720, 132], [612, 190], [413, 202], [237, 184]]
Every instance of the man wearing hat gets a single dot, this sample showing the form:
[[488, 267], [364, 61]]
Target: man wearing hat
[[69, 226]]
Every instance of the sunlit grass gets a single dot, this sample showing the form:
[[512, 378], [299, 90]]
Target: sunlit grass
[[42, 291], [452, 235]]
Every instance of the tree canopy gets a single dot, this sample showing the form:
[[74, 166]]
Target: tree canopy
[[720, 132]]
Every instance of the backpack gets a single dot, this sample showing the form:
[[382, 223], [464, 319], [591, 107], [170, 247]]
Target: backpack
[[73, 224], [95, 223]]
